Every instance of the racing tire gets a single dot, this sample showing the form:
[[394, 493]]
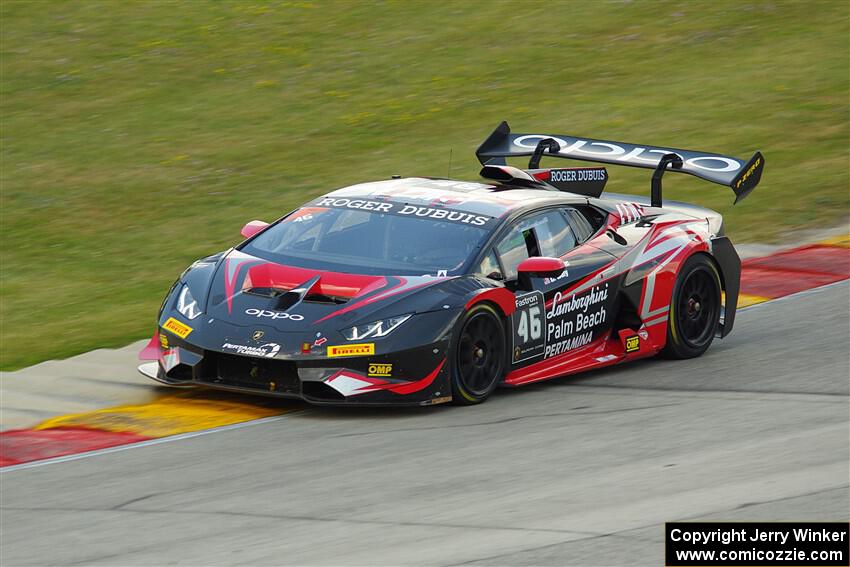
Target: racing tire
[[694, 309], [478, 356]]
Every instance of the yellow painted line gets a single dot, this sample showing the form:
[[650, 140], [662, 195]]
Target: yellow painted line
[[842, 241], [745, 300], [171, 415]]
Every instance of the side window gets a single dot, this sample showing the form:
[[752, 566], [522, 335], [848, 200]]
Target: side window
[[543, 234], [516, 247], [580, 225], [489, 267], [555, 235]]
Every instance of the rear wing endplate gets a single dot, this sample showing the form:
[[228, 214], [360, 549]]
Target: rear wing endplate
[[742, 177]]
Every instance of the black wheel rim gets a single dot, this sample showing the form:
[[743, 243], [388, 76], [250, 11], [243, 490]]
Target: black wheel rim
[[480, 354], [697, 308]]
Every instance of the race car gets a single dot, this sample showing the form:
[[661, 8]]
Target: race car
[[420, 291]]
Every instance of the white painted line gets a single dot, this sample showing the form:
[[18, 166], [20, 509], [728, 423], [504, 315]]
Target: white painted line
[[117, 448]]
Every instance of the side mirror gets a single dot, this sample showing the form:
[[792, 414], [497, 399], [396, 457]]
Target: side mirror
[[538, 267], [253, 228]]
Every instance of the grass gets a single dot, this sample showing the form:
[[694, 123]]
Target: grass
[[138, 136]]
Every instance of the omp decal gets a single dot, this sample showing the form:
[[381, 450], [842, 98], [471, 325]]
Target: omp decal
[[361, 349], [379, 370], [633, 343], [351, 383], [163, 340], [180, 329]]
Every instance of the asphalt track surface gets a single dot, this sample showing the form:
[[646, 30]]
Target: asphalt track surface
[[576, 471]]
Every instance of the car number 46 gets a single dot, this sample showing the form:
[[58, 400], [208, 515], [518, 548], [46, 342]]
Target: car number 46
[[530, 325]]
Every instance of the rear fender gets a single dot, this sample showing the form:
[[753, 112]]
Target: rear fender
[[656, 266]]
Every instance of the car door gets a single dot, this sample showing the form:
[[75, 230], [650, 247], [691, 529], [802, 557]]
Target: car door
[[551, 320]]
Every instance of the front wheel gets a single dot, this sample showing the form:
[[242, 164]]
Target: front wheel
[[479, 355], [694, 309]]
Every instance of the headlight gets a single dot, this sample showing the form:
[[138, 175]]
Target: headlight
[[186, 304], [376, 329]]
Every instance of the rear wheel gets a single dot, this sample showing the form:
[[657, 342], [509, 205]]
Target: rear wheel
[[479, 355], [694, 309]]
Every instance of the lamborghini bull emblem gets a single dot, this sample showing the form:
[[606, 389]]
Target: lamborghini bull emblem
[[257, 335]]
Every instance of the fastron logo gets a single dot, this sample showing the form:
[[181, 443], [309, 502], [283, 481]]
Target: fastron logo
[[274, 315]]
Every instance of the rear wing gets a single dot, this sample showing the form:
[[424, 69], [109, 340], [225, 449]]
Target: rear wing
[[742, 177]]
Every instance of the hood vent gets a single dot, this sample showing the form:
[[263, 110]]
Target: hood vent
[[288, 299], [266, 291], [326, 299]]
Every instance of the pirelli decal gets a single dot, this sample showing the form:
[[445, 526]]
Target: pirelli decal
[[172, 325], [363, 349], [748, 173]]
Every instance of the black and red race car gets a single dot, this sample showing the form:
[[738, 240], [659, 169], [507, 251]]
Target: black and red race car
[[423, 291]]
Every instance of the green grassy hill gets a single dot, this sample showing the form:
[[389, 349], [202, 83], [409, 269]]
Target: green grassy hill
[[137, 137]]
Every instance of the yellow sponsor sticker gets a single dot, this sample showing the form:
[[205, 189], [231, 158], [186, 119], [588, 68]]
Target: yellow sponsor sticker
[[351, 350], [182, 330], [632, 343], [163, 340], [380, 370], [748, 173]]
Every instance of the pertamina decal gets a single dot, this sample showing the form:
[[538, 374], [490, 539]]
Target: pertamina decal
[[180, 329], [380, 370], [351, 350]]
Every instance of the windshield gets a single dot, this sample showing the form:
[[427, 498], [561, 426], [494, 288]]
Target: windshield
[[376, 242]]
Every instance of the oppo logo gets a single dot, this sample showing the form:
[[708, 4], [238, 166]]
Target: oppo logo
[[273, 314], [719, 164]]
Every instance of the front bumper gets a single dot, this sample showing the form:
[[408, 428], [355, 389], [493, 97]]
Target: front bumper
[[417, 376]]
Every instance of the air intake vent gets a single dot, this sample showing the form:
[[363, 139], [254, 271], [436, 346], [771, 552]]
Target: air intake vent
[[328, 299], [287, 300], [267, 291]]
